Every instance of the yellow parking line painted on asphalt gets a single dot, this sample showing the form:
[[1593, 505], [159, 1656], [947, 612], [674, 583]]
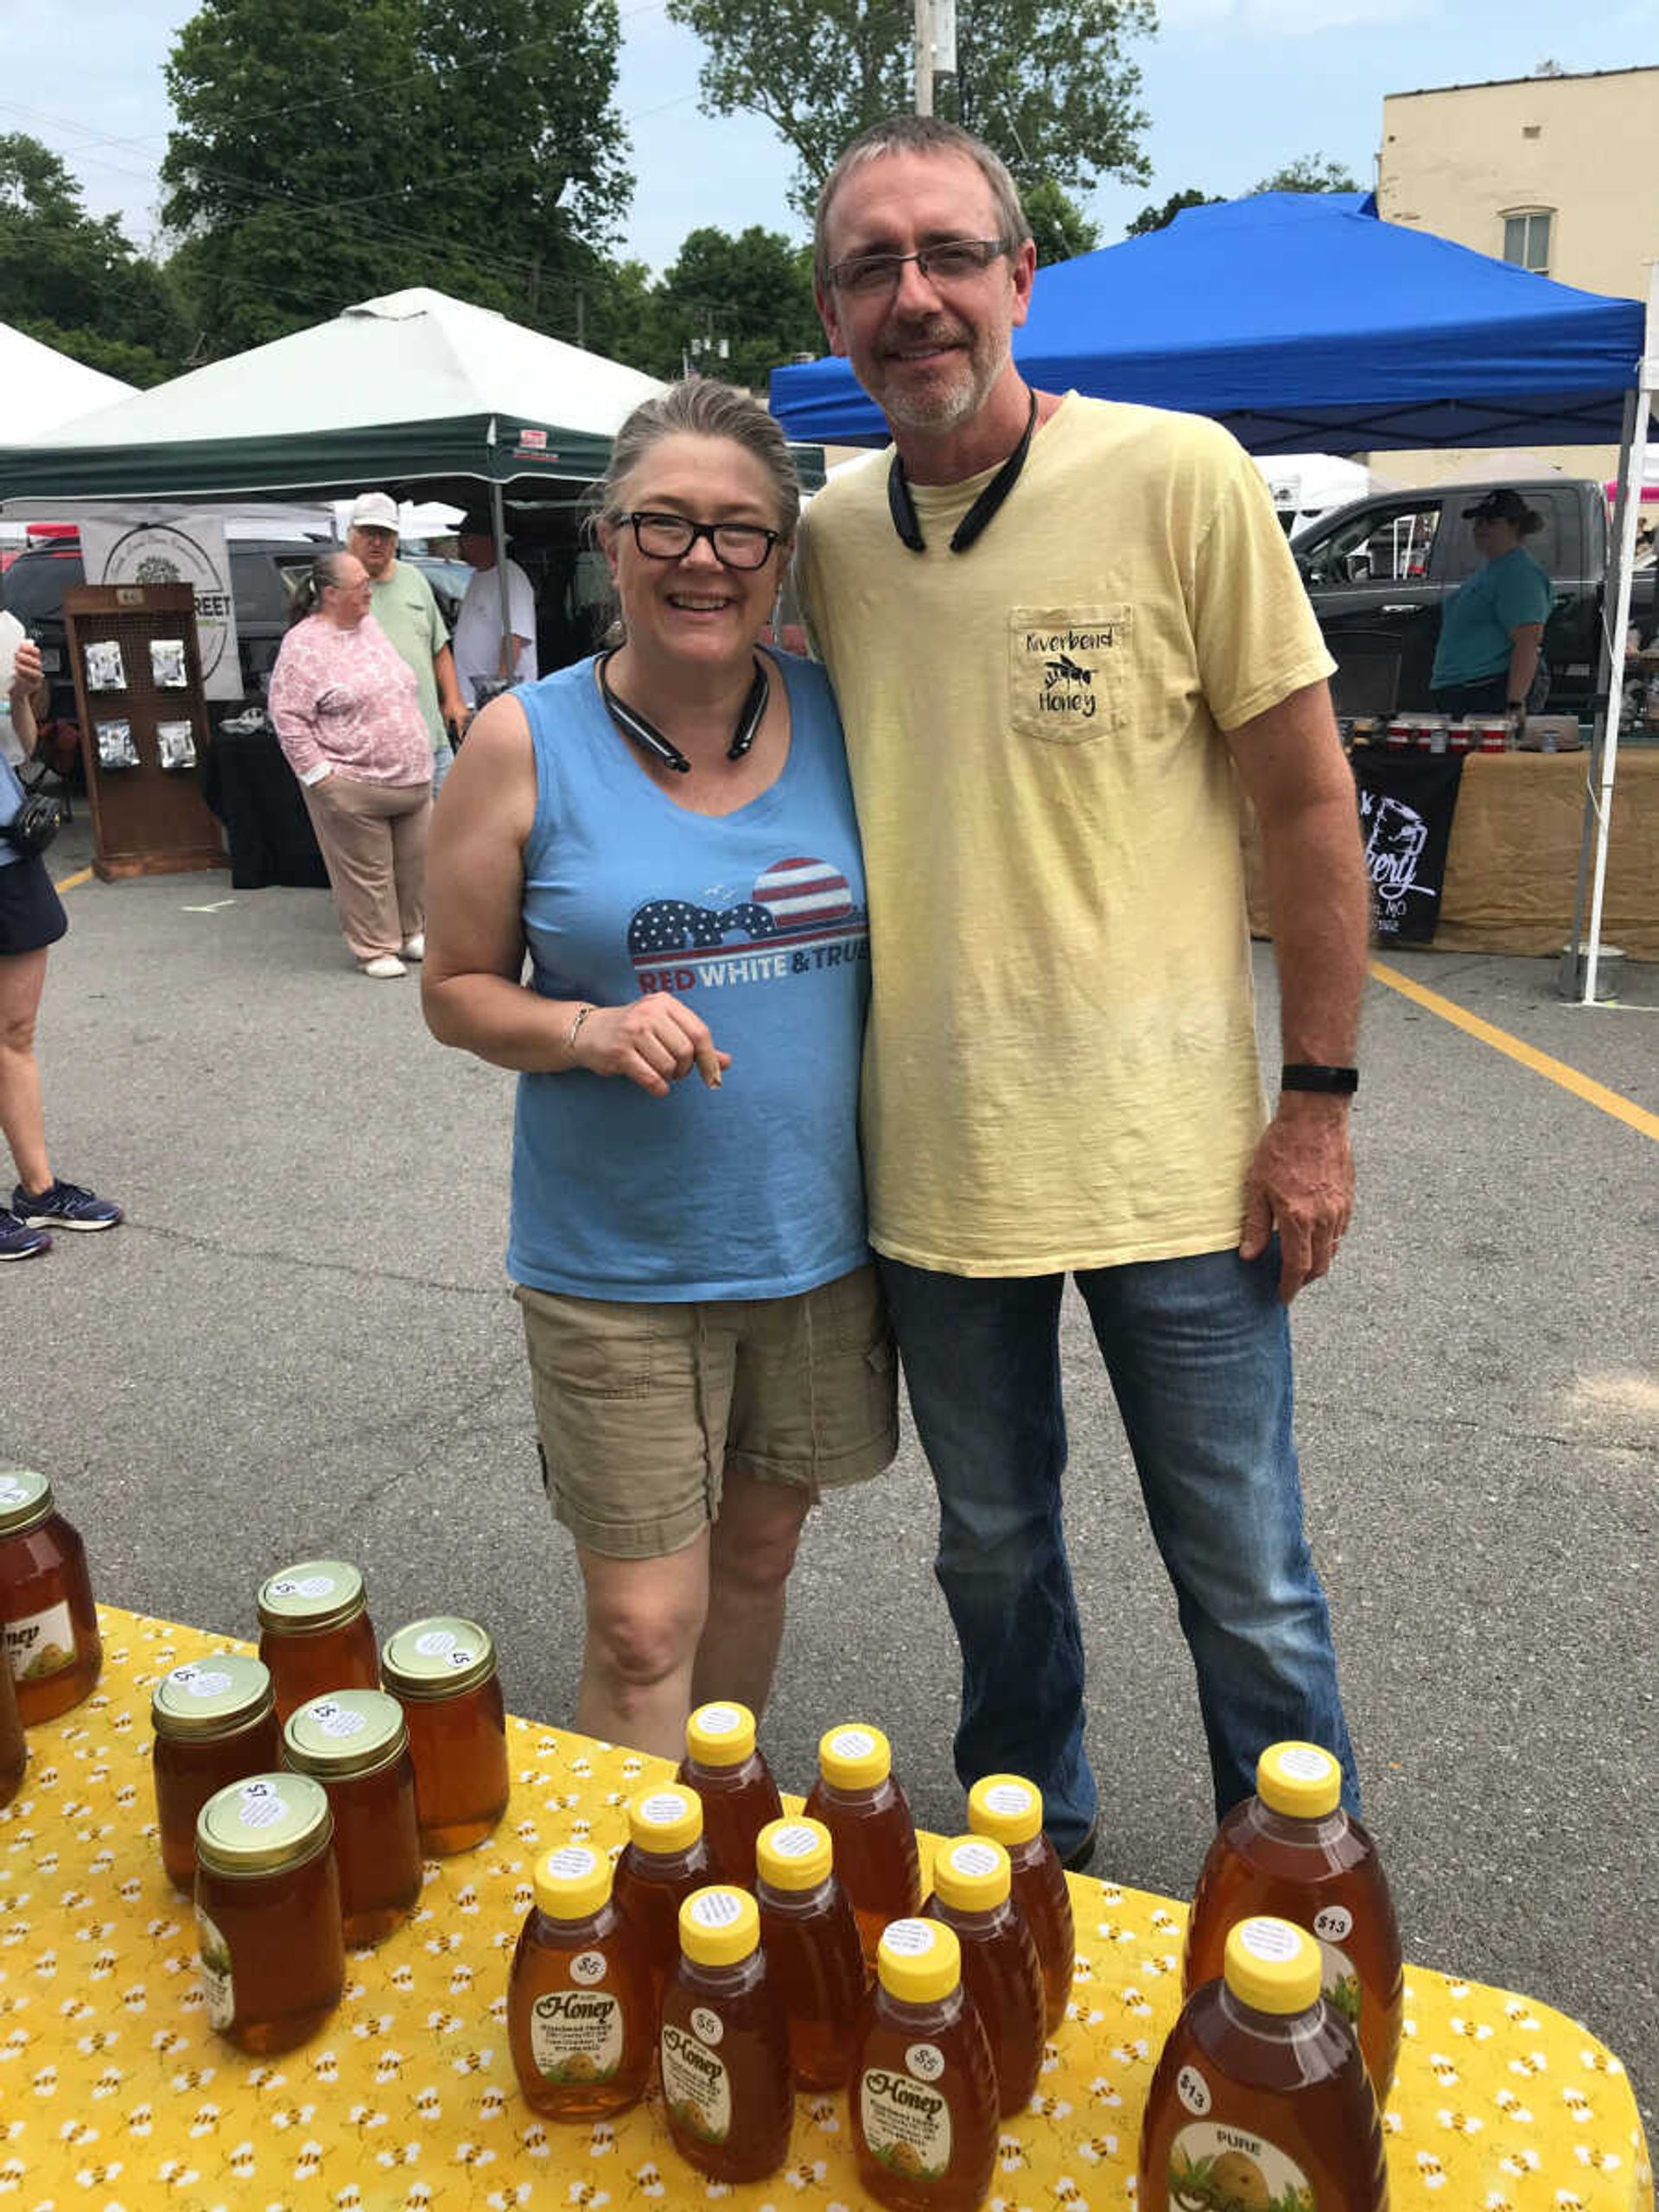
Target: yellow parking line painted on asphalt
[[1581, 1086], [80, 876]]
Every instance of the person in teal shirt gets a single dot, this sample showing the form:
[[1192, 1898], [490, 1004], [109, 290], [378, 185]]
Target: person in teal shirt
[[1488, 659]]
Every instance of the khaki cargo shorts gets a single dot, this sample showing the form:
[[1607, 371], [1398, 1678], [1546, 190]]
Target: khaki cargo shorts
[[641, 1409]]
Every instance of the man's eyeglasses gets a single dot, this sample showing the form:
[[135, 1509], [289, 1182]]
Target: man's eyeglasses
[[671, 537], [954, 262]]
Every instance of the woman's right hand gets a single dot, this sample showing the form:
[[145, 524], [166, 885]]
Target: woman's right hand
[[654, 1042]]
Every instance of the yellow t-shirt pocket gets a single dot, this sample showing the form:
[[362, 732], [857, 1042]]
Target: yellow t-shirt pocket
[[1068, 671]]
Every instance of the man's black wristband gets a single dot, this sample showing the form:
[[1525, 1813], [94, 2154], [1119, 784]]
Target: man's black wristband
[[1309, 1075]]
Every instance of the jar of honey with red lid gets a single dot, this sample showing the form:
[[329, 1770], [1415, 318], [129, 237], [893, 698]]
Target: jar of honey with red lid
[[441, 1671], [215, 1723], [46, 1601], [314, 1632], [272, 1956], [355, 1743]]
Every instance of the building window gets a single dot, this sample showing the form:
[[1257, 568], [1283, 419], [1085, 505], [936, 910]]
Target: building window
[[1526, 240]]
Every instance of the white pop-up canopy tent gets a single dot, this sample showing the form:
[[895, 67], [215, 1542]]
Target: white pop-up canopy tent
[[40, 388]]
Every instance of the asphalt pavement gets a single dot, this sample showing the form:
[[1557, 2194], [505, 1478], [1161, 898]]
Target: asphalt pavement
[[301, 1342]]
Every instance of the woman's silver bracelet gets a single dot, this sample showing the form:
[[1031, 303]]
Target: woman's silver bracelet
[[575, 1029]]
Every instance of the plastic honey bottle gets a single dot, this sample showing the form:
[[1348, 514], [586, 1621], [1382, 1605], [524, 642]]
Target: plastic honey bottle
[[1009, 1809], [580, 2020], [314, 1632], [972, 1882], [734, 1783], [811, 1939], [859, 1800], [663, 1861], [47, 1607], [924, 2088], [1292, 1850], [1261, 2096], [725, 2047], [442, 1672]]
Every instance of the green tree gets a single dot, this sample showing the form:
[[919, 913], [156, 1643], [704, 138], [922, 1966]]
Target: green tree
[[1308, 173], [1058, 224], [736, 307], [1046, 82], [74, 280], [1158, 218]]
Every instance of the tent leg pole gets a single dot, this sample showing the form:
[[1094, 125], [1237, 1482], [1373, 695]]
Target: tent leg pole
[[499, 532]]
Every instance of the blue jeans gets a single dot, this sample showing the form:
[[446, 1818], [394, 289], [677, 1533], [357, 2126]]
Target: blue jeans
[[443, 760], [1198, 1351]]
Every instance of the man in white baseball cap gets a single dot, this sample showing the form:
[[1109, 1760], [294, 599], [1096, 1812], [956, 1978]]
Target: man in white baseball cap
[[406, 609]]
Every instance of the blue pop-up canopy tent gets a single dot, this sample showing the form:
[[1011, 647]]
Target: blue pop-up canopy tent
[[1301, 320]]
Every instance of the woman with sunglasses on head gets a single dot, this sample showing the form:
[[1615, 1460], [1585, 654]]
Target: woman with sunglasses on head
[[667, 831]]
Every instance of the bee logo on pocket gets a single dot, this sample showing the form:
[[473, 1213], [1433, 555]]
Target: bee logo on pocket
[[1066, 671]]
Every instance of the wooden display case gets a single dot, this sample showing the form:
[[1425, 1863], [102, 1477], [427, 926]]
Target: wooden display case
[[136, 662]]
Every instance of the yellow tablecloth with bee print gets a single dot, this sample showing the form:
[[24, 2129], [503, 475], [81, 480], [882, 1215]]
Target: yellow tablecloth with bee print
[[115, 2095]]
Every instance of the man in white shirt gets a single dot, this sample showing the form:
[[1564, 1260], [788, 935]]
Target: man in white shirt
[[484, 652]]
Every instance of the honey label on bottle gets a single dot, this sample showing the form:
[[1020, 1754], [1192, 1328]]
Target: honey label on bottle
[[1339, 1981], [906, 2124], [1213, 2166], [697, 2085], [40, 1644], [217, 1986], [576, 2035]]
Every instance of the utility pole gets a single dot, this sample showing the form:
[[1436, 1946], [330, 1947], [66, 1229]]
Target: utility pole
[[923, 57]]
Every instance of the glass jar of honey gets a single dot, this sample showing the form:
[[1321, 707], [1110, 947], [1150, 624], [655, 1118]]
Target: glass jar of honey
[[441, 1671], [46, 1601], [355, 1743], [215, 1723], [14, 1746], [314, 1632], [268, 1929]]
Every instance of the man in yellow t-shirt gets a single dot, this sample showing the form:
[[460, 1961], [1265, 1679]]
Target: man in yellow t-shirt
[[1063, 634]]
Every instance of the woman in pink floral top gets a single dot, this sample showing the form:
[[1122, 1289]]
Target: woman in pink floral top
[[347, 714]]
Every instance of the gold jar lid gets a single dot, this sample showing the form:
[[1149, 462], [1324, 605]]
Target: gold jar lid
[[25, 1500], [264, 1824], [439, 1658], [343, 1734], [314, 1593], [210, 1697]]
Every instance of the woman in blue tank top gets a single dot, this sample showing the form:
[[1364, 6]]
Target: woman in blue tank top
[[667, 833]]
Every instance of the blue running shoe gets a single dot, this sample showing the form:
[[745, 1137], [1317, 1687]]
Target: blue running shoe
[[17, 1241], [65, 1205]]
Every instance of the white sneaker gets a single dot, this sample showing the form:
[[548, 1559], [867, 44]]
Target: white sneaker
[[383, 963], [416, 948]]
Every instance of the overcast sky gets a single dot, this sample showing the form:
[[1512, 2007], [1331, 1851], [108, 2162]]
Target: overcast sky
[[1234, 88]]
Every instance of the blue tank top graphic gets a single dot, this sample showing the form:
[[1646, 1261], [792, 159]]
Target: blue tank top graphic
[[757, 921]]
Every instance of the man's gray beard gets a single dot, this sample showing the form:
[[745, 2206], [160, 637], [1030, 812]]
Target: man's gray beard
[[945, 410]]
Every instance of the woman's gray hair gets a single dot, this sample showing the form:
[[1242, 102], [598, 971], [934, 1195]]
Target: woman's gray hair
[[701, 407], [308, 592], [919, 134]]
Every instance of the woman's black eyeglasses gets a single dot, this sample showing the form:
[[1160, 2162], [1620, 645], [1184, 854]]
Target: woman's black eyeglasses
[[671, 537]]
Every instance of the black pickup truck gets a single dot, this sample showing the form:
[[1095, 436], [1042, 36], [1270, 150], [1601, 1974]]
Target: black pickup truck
[[1379, 571]]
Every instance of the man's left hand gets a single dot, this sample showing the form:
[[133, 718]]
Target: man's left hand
[[1301, 1184]]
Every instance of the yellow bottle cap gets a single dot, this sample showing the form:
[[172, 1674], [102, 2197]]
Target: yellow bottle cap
[[918, 1962], [718, 1926], [572, 1882], [971, 1874], [1272, 1966], [720, 1735], [665, 1820], [1007, 1807], [793, 1854], [1298, 1779], [854, 1757]]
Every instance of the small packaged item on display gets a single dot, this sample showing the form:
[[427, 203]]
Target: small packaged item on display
[[355, 1743], [1292, 1850], [268, 1929], [1261, 2096], [169, 671], [1400, 733], [106, 670], [859, 1800], [1493, 732], [215, 1723], [314, 1632], [923, 2096], [1008, 1808], [176, 745], [46, 1601], [114, 747], [810, 1936], [663, 1861], [1460, 737], [734, 1783], [1000, 1972], [725, 2044], [441, 1671], [581, 2022]]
